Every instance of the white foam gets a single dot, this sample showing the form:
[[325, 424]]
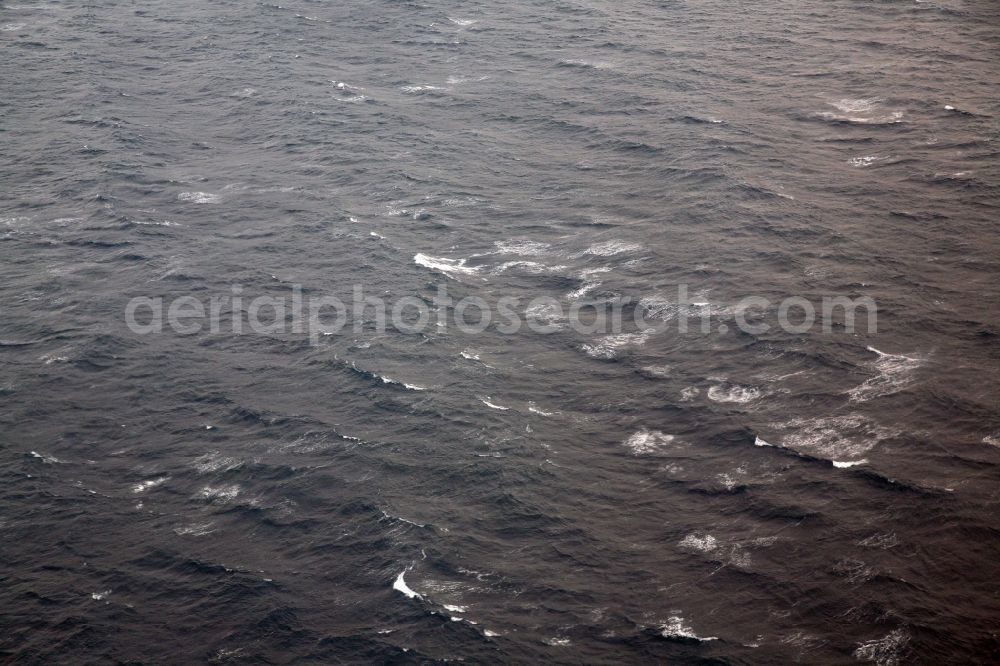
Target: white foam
[[52, 358], [645, 441], [855, 571], [847, 437], [223, 493], [195, 529], [885, 651], [99, 596], [400, 586], [848, 464], [658, 307], [524, 248], [611, 248], [146, 485], [45, 458], [655, 307], [546, 314], [689, 393], [704, 544], [156, 223], [737, 394], [462, 22], [486, 401], [529, 266], [470, 355], [658, 371], [582, 291], [535, 410], [848, 105], [892, 118], [396, 382], [760, 442], [341, 85], [992, 440], [895, 373], [883, 541], [444, 265], [949, 107], [557, 642], [214, 461], [199, 197], [455, 609], [402, 520], [610, 346], [589, 284], [675, 628], [866, 160], [728, 481], [415, 89]]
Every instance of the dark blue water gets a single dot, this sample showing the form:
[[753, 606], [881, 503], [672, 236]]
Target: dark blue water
[[822, 497]]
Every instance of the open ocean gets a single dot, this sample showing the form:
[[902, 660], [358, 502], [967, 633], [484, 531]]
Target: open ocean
[[820, 497]]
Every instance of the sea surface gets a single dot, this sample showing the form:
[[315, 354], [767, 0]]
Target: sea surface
[[816, 497]]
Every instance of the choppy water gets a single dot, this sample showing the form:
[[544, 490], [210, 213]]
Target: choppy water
[[669, 498]]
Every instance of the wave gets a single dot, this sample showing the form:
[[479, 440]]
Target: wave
[[396, 382], [611, 248], [525, 248], [689, 393], [848, 105], [222, 493], [528, 266], [895, 373], [143, 486], [675, 628], [421, 88], [850, 463], [199, 197], [381, 378], [45, 458], [891, 119], [215, 461], [737, 394], [587, 64], [486, 401], [588, 284], [835, 438], [400, 586], [656, 371], [885, 651], [389, 516], [708, 120], [195, 529], [609, 347], [546, 314], [702, 544], [444, 265], [645, 442], [867, 160]]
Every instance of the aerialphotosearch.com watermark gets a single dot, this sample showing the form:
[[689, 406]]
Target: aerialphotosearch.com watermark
[[319, 316]]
